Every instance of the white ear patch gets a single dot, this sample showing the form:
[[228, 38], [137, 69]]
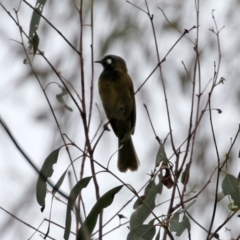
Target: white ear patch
[[109, 61]]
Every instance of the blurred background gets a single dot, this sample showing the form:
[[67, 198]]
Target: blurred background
[[124, 30]]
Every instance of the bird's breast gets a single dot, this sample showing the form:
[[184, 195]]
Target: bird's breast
[[116, 97]]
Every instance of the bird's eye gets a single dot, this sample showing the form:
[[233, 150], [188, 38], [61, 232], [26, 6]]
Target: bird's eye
[[109, 61]]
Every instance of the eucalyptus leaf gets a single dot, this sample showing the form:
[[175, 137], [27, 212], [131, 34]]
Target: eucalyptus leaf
[[230, 187], [61, 100], [35, 20], [90, 222], [142, 212], [59, 183], [145, 232], [71, 201], [45, 172], [179, 226], [161, 156], [158, 235]]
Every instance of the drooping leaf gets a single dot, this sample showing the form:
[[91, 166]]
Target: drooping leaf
[[45, 172], [71, 201], [177, 226], [91, 220], [161, 156], [143, 232], [35, 20], [185, 175], [60, 98], [158, 235], [55, 189], [230, 187], [35, 42], [68, 108], [59, 183]]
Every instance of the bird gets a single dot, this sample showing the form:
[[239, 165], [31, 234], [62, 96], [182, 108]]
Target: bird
[[118, 100]]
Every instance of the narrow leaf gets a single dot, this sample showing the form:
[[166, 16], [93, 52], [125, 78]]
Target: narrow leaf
[[158, 235], [55, 189], [68, 108], [71, 200], [91, 220], [60, 98], [35, 20], [59, 183], [185, 175], [35, 43], [161, 156], [45, 172]]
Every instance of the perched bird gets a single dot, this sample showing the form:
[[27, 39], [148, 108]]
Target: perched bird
[[117, 95]]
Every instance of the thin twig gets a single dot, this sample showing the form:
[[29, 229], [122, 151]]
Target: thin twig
[[20, 220]]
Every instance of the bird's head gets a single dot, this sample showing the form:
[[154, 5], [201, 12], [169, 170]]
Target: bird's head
[[113, 62]]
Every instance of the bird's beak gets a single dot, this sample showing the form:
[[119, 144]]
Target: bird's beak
[[99, 61]]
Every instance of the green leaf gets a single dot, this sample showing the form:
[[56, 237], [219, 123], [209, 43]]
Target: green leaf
[[45, 172], [158, 235], [60, 98], [149, 186], [59, 183], [68, 108], [185, 175], [60, 95], [160, 185], [35, 43], [55, 189], [71, 201], [238, 181], [35, 20], [161, 156], [91, 220], [229, 187], [177, 226], [143, 232], [142, 212]]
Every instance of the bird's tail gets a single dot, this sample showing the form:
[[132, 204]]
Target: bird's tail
[[127, 157]]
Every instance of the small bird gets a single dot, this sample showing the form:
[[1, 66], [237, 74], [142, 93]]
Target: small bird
[[117, 95]]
